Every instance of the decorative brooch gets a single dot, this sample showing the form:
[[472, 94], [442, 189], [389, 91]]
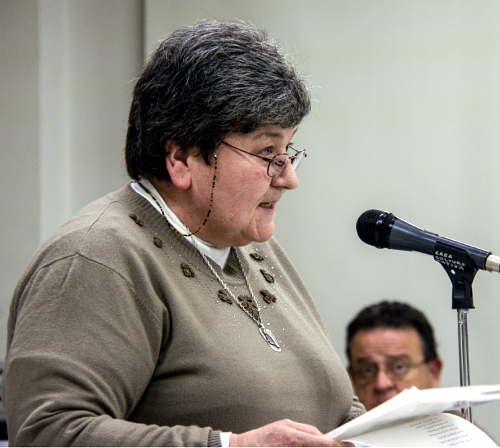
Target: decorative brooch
[[137, 220], [186, 270], [267, 296], [269, 278], [224, 296]]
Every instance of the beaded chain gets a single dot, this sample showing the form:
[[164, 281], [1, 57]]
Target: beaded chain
[[226, 288], [265, 333], [209, 208]]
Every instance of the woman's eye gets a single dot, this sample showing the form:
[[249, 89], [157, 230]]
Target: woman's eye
[[266, 151]]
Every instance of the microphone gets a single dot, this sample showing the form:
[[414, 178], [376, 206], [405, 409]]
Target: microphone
[[385, 230]]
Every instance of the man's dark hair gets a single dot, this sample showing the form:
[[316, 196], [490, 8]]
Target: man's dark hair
[[205, 81], [393, 315]]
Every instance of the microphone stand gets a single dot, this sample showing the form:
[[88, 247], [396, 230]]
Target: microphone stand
[[461, 270]]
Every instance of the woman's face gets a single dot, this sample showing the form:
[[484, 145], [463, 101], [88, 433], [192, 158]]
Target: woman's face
[[245, 197]]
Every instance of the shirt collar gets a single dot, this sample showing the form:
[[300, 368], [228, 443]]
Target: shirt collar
[[217, 254]]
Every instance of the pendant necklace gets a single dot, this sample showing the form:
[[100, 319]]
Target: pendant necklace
[[264, 332]]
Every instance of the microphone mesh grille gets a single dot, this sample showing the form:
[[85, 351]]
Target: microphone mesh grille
[[367, 228]]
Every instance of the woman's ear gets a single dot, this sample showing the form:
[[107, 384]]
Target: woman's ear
[[178, 168]]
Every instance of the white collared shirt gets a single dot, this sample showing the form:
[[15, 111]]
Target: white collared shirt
[[217, 254]]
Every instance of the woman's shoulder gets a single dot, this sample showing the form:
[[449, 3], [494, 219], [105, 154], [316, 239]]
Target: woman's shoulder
[[107, 228]]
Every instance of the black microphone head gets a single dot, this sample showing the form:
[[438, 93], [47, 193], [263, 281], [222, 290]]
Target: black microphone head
[[374, 227]]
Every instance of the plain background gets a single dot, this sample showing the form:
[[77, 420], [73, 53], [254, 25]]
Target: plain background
[[406, 118]]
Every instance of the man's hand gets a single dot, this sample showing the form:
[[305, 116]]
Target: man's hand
[[284, 433]]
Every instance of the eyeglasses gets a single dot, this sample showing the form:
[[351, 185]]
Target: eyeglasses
[[277, 164], [366, 374]]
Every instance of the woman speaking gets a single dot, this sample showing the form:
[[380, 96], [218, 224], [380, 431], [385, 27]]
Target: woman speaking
[[165, 314]]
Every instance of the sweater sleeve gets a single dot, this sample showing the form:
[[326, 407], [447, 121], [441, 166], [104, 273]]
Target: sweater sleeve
[[356, 410], [83, 350]]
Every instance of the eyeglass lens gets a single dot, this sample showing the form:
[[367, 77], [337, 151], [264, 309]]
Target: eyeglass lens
[[278, 163], [394, 371]]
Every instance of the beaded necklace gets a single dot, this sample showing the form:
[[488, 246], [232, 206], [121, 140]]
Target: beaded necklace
[[209, 208], [264, 332]]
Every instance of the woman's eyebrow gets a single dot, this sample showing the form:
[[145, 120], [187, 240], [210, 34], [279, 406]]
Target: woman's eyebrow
[[272, 134]]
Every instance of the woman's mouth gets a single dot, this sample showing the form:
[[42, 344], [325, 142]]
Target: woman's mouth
[[265, 205]]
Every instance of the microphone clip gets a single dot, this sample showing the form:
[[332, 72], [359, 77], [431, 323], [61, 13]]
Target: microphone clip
[[461, 269]]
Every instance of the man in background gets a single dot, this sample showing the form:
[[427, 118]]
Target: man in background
[[391, 347]]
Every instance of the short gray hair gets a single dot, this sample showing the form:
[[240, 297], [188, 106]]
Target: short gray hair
[[207, 80]]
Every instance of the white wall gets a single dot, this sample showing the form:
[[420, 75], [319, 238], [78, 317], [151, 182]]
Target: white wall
[[19, 154], [66, 75], [90, 52], [406, 119]]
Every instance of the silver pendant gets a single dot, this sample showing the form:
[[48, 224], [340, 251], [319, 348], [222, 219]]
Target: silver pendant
[[270, 339]]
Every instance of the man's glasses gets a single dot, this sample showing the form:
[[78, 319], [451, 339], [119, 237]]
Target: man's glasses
[[366, 374], [277, 164]]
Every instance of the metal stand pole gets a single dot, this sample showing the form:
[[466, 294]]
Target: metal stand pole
[[461, 270], [463, 351]]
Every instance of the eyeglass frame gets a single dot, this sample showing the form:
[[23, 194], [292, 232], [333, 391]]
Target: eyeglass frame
[[363, 381], [296, 157]]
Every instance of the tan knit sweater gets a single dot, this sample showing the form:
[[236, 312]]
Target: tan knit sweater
[[117, 336]]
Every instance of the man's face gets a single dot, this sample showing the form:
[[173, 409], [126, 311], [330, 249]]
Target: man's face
[[386, 361]]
